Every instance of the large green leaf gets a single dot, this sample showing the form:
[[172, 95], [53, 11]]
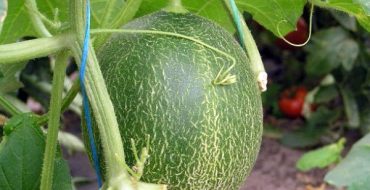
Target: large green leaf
[[17, 24], [358, 8], [330, 49], [274, 15], [112, 14], [21, 157], [354, 169], [105, 13], [3, 12]]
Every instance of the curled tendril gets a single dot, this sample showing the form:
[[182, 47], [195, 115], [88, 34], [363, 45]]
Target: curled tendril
[[309, 35]]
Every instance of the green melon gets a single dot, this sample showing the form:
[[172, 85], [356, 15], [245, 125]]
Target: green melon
[[202, 136]]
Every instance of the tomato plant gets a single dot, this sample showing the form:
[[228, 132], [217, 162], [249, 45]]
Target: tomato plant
[[175, 101]]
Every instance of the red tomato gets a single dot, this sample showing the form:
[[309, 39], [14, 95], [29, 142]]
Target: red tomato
[[296, 37], [291, 101]]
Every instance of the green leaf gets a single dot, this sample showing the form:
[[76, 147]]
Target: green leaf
[[330, 49], [302, 138], [322, 157], [18, 24], [351, 107], [358, 8], [326, 94], [361, 185], [347, 21], [310, 134], [9, 82], [107, 14], [323, 117], [36, 78], [274, 15], [354, 169], [112, 14], [21, 154], [365, 121], [3, 12]]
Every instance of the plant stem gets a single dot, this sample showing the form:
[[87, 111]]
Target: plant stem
[[54, 119], [30, 49], [37, 23], [101, 105], [67, 100], [117, 176], [8, 106], [251, 49], [175, 6]]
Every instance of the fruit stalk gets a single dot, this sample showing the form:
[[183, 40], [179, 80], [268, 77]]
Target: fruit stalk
[[175, 6]]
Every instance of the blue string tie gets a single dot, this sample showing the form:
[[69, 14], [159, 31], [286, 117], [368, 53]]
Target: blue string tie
[[86, 106]]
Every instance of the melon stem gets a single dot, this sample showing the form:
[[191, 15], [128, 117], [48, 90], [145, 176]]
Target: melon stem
[[175, 6]]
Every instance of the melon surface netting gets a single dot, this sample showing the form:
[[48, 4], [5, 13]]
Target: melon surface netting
[[202, 136]]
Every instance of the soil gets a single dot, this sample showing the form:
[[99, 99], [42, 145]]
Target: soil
[[274, 169]]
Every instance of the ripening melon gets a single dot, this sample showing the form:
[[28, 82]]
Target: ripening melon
[[203, 136]]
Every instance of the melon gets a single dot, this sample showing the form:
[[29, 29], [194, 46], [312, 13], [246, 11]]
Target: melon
[[202, 135]]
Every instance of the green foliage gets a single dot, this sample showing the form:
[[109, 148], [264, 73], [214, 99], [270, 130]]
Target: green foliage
[[354, 170], [112, 14], [365, 121], [311, 133], [18, 23], [105, 14], [326, 94], [275, 15], [21, 153], [329, 49], [3, 12], [358, 8], [322, 157], [350, 107], [347, 21], [9, 81]]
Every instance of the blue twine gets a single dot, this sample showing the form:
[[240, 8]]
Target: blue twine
[[237, 20], [86, 105]]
